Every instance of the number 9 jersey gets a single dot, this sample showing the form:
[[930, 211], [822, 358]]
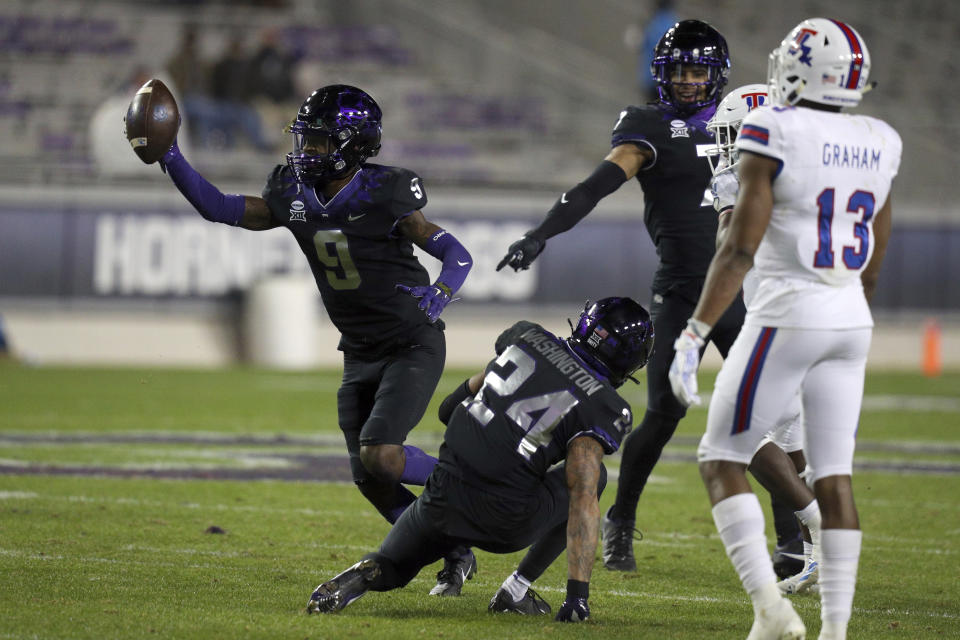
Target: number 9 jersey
[[536, 397], [355, 250], [835, 174]]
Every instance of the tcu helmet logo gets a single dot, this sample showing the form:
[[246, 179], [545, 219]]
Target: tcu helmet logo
[[799, 45]]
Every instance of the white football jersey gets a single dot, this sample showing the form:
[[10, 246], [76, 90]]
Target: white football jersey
[[836, 171]]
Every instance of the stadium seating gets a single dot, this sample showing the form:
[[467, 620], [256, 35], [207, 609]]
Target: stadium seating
[[467, 87]]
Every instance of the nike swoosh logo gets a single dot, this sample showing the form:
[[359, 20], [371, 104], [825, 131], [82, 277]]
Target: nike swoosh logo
[[793, 556], [351, 218], [563, 199], [463, 264]]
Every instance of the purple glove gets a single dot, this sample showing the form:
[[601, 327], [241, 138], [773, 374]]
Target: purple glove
[[573, 610], [432, 299]]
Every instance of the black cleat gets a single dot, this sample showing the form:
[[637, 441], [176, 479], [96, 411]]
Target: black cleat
[[618, 537], [450, 579], [531, 604], [788, 558], [333, 595]]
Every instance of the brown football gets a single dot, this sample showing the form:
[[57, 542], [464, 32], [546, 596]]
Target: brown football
[[152, 121]]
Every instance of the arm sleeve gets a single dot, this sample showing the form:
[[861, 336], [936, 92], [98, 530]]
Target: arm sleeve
[[454, 256], [576, 203], [209, 201], [453, 400]]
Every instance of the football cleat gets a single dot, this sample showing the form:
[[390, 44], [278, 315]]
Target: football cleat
[[335, 594], [531, 604], [450, 579], [778, 622], [618, 536], [788, 558], [802, 581]]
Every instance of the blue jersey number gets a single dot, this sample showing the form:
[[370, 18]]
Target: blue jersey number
[[861, 204]]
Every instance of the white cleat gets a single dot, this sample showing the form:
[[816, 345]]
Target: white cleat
[[803, 581], [778, 622]]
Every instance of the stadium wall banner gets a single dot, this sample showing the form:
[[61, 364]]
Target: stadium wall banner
[[170, 255]]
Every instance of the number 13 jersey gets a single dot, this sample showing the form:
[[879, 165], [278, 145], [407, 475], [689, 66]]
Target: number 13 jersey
[[835, 174]]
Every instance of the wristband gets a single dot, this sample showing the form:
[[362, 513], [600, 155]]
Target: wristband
[[698, 328], [578, 589]]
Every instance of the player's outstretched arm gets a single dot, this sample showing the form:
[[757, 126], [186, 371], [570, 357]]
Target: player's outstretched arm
[[583, 468], [445, 248], [882, 224], [621, 164], [249, 212]]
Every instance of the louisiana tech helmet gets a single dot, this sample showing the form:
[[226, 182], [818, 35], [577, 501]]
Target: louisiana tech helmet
[[725, 123], [691, 42], [820, 60], [337, 128], [614, 336]]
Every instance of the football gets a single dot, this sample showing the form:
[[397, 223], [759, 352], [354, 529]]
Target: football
[[152, 121]]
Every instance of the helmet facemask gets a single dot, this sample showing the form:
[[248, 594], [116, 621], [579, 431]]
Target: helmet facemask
[[664, 72], [321, 154], [725, 124], [690, 42], [723, 154], [337, 129]]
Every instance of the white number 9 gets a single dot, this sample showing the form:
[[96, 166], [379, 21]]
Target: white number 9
[[415, 187]]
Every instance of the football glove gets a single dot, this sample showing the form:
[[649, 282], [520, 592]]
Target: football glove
[[433, 299], [686, 361], [522, 253], [573, 610], [724, 187]]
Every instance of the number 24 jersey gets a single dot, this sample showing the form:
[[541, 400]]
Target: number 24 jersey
[[536, 397]]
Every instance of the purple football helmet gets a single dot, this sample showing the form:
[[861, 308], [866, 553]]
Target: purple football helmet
[[691, 42], [337, 128], [614, 336]]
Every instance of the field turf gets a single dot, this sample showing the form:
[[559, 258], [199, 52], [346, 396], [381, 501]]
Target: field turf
[[208, 504]]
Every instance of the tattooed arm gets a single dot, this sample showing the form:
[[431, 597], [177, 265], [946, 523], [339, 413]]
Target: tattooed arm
[[584, 467]]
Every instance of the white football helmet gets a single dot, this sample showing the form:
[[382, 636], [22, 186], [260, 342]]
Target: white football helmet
[[823, 61], [725, 123]]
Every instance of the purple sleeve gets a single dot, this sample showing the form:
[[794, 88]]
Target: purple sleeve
[[456, 259], [205, 198]]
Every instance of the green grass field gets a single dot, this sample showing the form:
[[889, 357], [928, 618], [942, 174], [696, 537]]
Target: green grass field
[[111, 479]]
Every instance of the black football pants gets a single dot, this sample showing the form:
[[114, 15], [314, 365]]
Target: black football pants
[[452, 512]]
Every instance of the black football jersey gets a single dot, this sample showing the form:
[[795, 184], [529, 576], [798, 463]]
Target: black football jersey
[[536, 397], [356, 251], [681, 221]]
